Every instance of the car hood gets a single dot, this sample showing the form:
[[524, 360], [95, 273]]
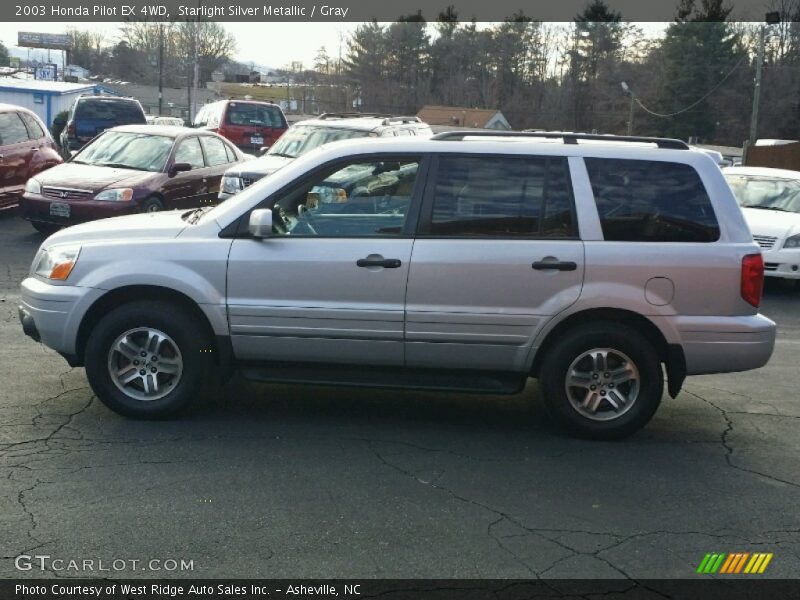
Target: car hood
[[773, 223], [260, 167], [91, 177], [140, 227]]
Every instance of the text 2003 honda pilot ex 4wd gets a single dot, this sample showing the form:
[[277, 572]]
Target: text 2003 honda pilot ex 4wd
[[459, 262]]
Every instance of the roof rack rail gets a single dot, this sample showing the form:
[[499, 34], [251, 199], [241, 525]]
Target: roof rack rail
[[351, 115], [569, 138], [412, 119]]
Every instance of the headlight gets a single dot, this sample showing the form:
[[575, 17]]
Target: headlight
[[230, 184], [792, 242], [115, 195], [33, 187], [56, 262]]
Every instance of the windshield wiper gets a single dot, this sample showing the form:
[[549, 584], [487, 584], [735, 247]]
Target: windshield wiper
[[760, 207], [283, 154], [114, 165], [194, 215]]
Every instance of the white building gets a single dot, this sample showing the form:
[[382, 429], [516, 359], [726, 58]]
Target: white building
[[45, 98]]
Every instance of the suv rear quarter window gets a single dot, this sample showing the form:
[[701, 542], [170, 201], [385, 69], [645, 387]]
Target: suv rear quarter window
[[479, 196], [651, 201]]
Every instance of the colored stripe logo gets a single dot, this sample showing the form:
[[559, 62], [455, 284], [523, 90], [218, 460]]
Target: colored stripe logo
[[734, 562]]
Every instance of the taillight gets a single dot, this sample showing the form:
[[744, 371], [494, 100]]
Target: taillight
[[753, 278], [71, 129]]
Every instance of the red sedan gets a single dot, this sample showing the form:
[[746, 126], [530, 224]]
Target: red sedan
[[26, 149], [129, 169]]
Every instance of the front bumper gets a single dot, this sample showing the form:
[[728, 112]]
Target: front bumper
[[51, 314], [782, 262], [35, 207], [725, 344]]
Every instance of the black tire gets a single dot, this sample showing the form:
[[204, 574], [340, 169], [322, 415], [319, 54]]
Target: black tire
[[45, 228], [620, 338], [152, 204], [188, 334]]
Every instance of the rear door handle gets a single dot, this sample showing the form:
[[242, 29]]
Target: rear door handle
[[388, 263], [555, 265]]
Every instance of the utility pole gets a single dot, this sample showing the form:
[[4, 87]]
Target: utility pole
[[762, 34], [160, 68], [630, 93], [771, 18], [195, 72]]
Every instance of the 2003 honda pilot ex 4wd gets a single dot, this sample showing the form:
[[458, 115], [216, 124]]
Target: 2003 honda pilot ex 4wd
[[460, 262]]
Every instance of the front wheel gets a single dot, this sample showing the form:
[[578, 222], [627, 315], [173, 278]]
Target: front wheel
[[152, 204], [602, 381], [147, 359]]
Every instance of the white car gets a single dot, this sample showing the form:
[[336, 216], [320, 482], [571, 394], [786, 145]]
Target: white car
[[770, 201]]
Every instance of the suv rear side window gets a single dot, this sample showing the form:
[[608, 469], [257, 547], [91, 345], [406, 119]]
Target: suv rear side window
[[479, 196], [260, 115], [651, 201], [110, 110]]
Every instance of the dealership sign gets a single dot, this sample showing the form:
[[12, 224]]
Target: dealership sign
[[46, 71]]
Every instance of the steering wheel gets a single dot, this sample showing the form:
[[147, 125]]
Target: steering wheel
[[280, 221]]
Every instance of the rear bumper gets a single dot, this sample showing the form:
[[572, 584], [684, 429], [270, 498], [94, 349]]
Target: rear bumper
[[34, 207], [725, 344]]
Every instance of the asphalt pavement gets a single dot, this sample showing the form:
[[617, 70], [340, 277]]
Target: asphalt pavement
[[290, 481]]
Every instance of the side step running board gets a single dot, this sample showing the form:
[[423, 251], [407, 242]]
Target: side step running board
[[491, 382]]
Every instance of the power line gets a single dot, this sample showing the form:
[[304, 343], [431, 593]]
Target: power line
[[693, 104]]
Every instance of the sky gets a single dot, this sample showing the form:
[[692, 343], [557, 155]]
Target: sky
[[267, 44]]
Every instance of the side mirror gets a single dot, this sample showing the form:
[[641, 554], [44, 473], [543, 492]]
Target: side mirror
[[60, 120], [263, 150], [261, 223], [179, 168]]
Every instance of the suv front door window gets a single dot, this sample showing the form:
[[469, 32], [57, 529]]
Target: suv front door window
[[330, 284]]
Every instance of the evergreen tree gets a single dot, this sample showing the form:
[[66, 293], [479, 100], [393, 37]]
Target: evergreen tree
[[699, 50]]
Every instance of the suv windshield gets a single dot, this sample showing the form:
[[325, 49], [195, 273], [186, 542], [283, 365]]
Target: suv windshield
[[261, 115], [767, 193], [141, 151], [302, 138], [117, 111]]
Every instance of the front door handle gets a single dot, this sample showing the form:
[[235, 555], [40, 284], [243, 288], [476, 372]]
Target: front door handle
[[388, 263], [555, 265]]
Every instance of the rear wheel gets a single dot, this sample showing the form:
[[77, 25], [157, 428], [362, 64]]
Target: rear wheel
[[152, 204], [602, 381], [147, 359]]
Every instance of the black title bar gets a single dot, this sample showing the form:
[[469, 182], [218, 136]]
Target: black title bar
[[341, 10]]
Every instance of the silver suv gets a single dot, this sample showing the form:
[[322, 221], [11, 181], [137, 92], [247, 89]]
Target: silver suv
[[467, 261], [312, 133]]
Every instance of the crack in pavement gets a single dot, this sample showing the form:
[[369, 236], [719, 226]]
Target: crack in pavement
[[504, 516], [729, 450]]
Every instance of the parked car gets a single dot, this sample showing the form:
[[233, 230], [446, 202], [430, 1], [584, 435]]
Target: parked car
[[247, 123], [586, 265], [26, 149], [770, 201], [307, 135], [90, 116], [130, 169]]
